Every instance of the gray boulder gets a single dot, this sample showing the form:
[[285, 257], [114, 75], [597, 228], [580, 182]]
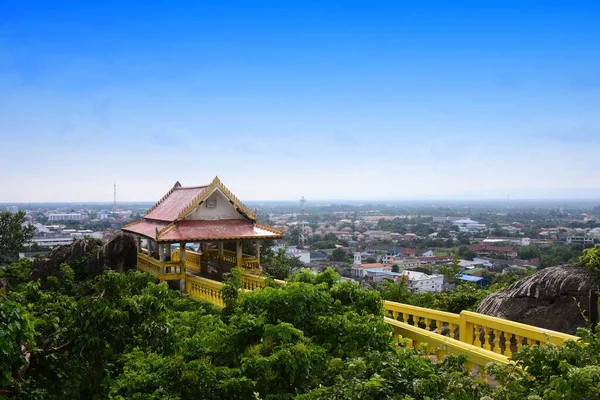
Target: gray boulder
[[74, 254], [87, 258], [548, 299], [119, 254]]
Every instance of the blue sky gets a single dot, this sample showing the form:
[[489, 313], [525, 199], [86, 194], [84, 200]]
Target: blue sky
[[330, 100]]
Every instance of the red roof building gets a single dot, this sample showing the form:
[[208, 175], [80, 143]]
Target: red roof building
[[209, 215], [483, 249]]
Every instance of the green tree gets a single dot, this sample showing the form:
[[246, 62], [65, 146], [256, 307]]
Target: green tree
[[591, 258], [339, 254], [14, 233], [465, 253]]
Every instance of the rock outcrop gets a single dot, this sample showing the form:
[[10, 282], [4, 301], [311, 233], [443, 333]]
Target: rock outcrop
[[548, 299], [87, 258], [72, 254], [119, 254]]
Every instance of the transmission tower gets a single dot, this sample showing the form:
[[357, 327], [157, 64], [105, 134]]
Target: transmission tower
[[115, 202], [302, 238]]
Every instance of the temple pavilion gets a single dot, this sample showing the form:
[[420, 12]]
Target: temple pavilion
[[209, 218]]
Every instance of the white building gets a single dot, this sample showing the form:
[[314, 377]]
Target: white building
[[291, 252], [580, 239], [12, 209], [360, 270], [66, 217], [507, 241], [419, 282], [468, 225]]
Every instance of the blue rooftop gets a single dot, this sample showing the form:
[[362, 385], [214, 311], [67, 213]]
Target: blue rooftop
[[469, 278]]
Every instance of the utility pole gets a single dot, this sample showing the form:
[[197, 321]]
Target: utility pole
[[115, 202], [302, 238]]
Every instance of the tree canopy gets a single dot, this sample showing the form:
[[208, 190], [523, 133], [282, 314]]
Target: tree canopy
[[14, 233], [125, 336]]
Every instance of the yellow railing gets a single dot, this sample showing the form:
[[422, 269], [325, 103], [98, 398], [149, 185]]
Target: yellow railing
[[440, 321], [165, 271], [192, 260], [204, 289], [251, 281], [250, 262], [505, 337], [493, 334], [439, 346], [229, 257]]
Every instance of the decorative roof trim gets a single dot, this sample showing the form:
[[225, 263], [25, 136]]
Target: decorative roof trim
[[216, 184], [164, 230], [132, 223], [280, 230], [213, 239], [175, 186]]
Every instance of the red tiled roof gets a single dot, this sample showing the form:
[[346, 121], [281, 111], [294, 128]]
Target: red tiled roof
[[230, 229], [438, 258], [372, 265], [223, 229], [164, 222], [500, 249], [169, 208], [146, 228]]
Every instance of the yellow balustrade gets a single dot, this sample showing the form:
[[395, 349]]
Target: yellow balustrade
[[164, 271], [250, 262], [423, 317], [204, 289], [440, 346], [490, 333], [192, 260], [503, 336], [229, 257]]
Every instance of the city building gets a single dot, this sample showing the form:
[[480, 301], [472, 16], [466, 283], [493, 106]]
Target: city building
[[468, 225], [499, 241], [66, 217], [12, 209], [484, 250], [360, 270], [580, 239], [419, 282]]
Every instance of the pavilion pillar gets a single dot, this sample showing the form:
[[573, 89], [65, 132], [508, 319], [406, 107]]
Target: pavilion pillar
[[161, 252], [168, 251], [182, 266], [220, 247], [203, 248], [149, 246], [182, 256], [138, 243], [257, 244], [238, 253]]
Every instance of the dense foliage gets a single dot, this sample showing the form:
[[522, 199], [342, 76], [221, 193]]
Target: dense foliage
[[123, 336], [591, 258]]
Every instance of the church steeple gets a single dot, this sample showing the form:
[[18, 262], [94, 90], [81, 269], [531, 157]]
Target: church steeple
[[357, 258]]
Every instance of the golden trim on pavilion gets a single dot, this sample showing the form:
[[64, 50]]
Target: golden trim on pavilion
[[216, 184]]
